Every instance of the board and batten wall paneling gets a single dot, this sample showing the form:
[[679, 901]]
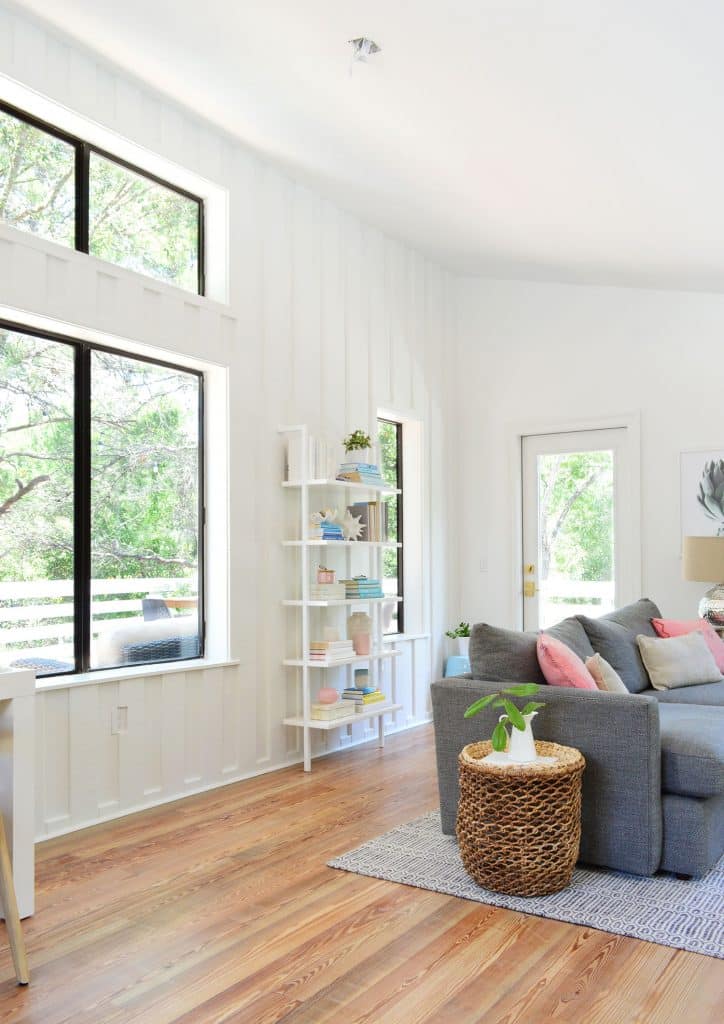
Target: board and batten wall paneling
[[328, 321]]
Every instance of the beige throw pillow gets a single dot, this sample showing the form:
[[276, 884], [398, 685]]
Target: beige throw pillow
[[606, 676], [678, 661]]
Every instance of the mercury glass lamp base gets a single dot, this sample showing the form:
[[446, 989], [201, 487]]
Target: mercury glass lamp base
[[711, 606]]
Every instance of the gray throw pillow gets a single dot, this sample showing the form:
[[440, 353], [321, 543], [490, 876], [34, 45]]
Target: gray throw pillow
[[504, 655], [617, 645]]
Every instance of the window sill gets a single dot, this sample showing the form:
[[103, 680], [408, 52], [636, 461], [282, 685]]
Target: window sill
[[114, 675], [394, 638]]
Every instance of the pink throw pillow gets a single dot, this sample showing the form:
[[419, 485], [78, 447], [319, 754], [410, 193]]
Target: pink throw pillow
[[680, 627], [561, 666]]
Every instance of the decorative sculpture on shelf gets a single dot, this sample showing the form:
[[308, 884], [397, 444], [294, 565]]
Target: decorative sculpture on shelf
[[352, 526]]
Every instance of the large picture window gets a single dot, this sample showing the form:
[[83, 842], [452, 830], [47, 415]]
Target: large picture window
[[101, 525], [61, 188], [389, 436]]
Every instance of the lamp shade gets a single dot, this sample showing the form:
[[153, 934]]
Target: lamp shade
[[704, 559]]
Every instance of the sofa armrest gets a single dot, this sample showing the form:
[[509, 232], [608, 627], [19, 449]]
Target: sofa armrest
[[618, 734]]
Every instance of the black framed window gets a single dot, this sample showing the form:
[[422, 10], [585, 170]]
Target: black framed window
[[389, 436], [101, 506], [61, 188]]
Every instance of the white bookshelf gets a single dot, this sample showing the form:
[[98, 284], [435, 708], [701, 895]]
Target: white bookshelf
[[310, 672]]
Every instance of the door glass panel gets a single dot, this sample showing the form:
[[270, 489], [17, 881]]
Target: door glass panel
[[576, 573]]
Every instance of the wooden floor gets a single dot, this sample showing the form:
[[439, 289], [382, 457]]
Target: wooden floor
[[220, 908]]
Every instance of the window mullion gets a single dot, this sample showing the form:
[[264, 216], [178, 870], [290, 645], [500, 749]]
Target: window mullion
[[82, 561], [82, 195]]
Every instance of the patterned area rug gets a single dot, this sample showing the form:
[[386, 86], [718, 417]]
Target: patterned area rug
[[686, 915]]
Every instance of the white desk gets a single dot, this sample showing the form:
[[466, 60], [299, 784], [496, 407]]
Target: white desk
[[17, 779]]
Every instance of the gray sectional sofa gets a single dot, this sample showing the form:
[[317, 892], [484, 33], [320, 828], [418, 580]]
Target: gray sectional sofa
[[653, 789]]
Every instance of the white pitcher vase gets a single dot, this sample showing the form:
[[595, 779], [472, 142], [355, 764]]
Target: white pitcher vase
[[521, 748]]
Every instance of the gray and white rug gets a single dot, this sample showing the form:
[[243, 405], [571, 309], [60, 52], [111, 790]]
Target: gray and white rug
[[686, 915]]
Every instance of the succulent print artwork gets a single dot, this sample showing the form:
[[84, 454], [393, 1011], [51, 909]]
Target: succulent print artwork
[[710, 495], [702, 493]]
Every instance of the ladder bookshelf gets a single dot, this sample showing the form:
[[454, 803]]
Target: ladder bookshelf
[[311, 674]]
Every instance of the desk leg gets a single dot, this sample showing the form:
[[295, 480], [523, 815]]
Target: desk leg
[[17, 793]]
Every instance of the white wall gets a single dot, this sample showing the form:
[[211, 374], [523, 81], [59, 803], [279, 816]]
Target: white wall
[[543, 354], [328, 321]]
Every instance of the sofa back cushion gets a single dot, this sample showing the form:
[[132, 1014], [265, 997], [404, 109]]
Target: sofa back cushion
[[636, 617], [573, 635], [613, 636], [504, 655], [617, 645]]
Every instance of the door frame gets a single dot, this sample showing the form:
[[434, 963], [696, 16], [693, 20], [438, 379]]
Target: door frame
[[631, 422]]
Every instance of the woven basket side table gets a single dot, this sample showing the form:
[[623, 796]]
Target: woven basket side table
[[519, 826]]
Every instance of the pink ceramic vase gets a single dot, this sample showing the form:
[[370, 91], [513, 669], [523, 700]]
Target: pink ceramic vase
[[327, 695]]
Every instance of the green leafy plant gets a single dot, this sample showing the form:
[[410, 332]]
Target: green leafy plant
[[514, 716], [356, 441], [463, 629]]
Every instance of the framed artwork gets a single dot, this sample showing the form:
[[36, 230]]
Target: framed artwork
[[702, 493]]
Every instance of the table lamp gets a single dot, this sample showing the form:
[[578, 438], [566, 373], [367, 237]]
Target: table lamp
[[704, 563]]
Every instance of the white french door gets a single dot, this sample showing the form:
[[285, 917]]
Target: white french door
[[580, 525]]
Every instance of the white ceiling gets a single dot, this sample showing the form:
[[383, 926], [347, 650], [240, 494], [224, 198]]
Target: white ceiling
[[556, 139]]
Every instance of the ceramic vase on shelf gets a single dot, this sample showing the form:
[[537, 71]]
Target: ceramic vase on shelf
[[359, 629], [521, 748], [327, 695]]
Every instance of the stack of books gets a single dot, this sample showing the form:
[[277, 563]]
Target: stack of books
[[330, 712], [360, 700], [373, 516], [330, 651], [330, 530], [361, 473], [327, 592], [360, 588]]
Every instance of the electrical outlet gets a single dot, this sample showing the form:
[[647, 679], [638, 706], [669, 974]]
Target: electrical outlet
[[119, 720]]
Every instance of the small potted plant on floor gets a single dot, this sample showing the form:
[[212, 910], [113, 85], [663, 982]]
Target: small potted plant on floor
[[460, 635]]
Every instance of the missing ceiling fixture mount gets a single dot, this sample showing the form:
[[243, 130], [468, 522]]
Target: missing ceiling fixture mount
[[363, 48]]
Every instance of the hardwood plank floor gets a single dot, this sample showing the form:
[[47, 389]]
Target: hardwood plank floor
[[219, 908]]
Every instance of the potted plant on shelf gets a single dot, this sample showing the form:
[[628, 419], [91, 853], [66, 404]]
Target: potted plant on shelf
[[359, 442], [519, 742], [460, 634]]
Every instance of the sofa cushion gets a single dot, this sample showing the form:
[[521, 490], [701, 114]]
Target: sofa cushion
[[561, 666], [504, 655], [636, 617], [573, 635], [676, 661], [692, 750], [707, 694], [606, 678], [617, 645], [679, 627]]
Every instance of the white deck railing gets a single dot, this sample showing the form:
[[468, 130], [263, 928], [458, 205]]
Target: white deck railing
[[32, 628], [560, 598]]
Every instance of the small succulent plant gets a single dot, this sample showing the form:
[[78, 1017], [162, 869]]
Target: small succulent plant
[[711, 491], [463, 629]]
